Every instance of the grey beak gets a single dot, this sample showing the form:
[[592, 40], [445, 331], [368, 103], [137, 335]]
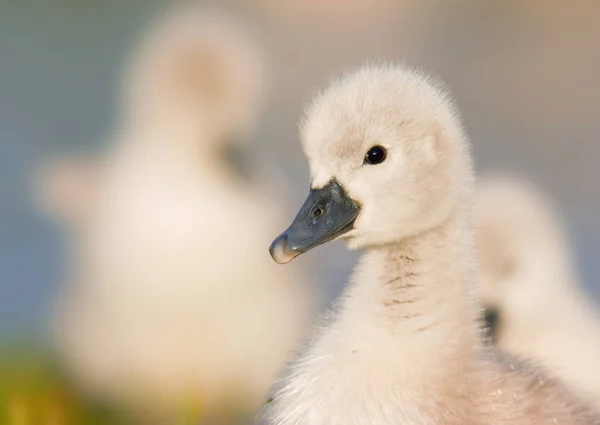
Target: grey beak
[[326, 214]]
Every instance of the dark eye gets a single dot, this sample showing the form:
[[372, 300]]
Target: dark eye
[[375, 155]]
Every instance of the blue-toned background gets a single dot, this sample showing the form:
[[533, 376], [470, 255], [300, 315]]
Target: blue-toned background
[[525, 75]]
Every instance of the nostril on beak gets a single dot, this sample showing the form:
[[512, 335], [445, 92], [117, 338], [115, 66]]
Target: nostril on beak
[[317, 212]]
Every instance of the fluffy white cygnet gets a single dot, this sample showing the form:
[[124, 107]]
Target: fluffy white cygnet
[[172, 301], [391, 173], [534, 301]]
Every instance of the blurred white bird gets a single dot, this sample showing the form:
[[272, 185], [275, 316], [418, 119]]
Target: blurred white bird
[[173, 300], [535, 304]]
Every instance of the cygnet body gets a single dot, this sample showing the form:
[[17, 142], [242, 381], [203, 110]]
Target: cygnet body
[[391, 173], [534, 300], [172, 302]]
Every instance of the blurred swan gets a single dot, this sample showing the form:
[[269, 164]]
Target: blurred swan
[[173, 302], [535, 303]]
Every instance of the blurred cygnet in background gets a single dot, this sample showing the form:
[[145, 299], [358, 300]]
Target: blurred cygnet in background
[[535, 304], [173, 301]]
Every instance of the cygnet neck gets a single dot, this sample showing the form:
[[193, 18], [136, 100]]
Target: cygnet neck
[[422, 288]]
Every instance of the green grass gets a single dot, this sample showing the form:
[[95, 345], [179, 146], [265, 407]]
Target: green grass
[[34, 391]]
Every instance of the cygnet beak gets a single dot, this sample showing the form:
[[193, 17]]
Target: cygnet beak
[[327, 213]]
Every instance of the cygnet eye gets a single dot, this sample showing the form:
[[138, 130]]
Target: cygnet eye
[[375, 155]]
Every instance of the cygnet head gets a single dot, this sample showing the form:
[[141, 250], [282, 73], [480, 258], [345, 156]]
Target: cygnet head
[[198, 72], [523, 253], [388, 160]]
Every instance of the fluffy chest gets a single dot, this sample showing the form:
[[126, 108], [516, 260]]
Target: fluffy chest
[[318, 397], [369, 384]]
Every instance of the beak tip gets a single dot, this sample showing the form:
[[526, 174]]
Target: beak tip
[[280, 250]]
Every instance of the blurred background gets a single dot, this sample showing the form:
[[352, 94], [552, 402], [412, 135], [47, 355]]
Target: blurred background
[[524, 74]]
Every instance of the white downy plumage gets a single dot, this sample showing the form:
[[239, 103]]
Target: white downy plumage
[[529, 284], [404, 345], [173, 300]]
